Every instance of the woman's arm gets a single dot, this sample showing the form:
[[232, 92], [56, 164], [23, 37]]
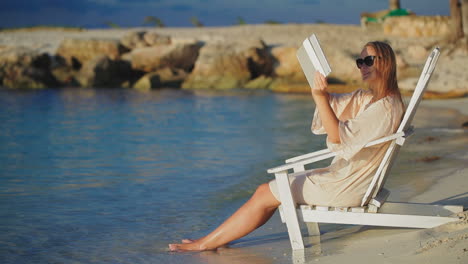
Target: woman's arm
[[328, 117]]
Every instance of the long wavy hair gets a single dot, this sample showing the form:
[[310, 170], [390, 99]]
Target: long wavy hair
[[387, 70]]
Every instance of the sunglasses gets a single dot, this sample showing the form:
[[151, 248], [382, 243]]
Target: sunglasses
[[369, 61]]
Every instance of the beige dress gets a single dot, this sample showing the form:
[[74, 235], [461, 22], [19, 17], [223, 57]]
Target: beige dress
[[346, 180]]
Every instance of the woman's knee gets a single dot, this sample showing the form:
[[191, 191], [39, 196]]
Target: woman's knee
[[264, 193]]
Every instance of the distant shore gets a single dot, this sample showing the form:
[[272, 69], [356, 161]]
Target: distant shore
[[341, 44]]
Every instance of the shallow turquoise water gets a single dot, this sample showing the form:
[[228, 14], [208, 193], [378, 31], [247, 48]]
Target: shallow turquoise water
[[113, 176]]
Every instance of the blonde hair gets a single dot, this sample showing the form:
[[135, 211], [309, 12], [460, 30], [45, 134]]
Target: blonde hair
[[386, 66]]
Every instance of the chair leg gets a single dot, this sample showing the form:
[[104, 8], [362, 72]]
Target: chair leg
[[289, 210], [313, 228]]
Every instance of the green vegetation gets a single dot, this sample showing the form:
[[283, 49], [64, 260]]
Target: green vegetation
[[111, 24], [196, 22], [241, 21], [272, 22], [151, 20]]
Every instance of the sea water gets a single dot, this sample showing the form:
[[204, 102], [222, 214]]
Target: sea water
[[114, 175]]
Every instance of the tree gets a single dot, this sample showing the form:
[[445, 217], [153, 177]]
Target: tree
[[465, 17], [456, 20], [394, 4], [272, 22], [241, 21], [196, 22], [151, 20], [111, 24]]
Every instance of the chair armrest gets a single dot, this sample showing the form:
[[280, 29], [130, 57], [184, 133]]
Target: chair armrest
[[326, 154], [301, 162]]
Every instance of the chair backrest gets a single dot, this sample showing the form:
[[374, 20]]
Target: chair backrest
[[380, 176]]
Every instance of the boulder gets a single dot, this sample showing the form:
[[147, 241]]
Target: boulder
[[262, 82], [148, 81], [286, 64], [63, 73], [79, 51], [229, 65], [133, 40], [104, 72], [445, 81], [418, 52], [417, 26], [343, 66], [154, 39], [163, 78], [287, 69], [25, 68], [149, 59], [141, 39], [281, 85]]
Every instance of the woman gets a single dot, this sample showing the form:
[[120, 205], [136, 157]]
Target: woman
[[350, 121]]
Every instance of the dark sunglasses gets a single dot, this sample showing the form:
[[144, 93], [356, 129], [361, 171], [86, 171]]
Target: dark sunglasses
[[369, 61]]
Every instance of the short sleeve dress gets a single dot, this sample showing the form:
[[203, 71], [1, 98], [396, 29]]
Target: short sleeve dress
[[346, 180]]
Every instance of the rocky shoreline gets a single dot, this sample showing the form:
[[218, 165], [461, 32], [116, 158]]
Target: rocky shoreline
[[247, 56]]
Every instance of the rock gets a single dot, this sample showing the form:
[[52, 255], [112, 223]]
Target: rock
[[408, 84], [262, 82], [417, 52], [229, 65], [417, 26], [104, 72], [446, 81], [343, 67], [64, 74], [25, 68], [452, 77], [141, 39], [163, 78], [286, 86], [185, 41], [153, 39], [134, 39], [148, 81], [401, 62], [286, 64], [79, 51], [179, 56]]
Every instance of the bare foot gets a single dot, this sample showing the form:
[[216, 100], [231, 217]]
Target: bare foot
[[187, 247]]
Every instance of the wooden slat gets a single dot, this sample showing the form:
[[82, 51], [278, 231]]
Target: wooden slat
[[358, 209], [379, 219], [420, 209], [289, 210], [381, 197], [313, 228]]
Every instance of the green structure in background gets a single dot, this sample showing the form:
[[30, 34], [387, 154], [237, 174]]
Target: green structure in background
[[380, 16]]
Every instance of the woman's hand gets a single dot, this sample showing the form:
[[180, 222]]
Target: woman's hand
[[320, 84]]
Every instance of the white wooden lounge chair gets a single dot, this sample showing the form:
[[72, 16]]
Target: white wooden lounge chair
[[374, 210]]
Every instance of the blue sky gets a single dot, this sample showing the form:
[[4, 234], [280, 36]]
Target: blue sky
[[177, 13]]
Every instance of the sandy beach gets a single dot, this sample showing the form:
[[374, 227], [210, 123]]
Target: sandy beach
[[438, 176], [439, 182]]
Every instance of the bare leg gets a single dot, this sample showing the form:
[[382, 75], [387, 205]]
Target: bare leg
[[253, 214]]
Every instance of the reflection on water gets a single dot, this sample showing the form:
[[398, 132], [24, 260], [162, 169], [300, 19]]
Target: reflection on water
[[110, 176]]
